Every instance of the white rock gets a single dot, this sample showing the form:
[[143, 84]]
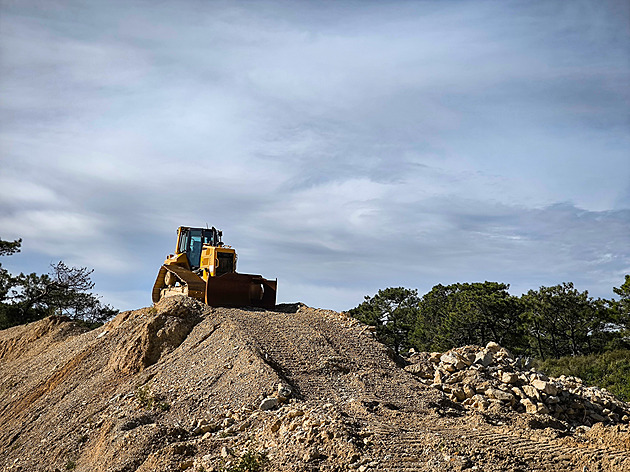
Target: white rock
[[531, 392], [530, 407], [499, 395], [493, 347], [484, 358], [546, 387]]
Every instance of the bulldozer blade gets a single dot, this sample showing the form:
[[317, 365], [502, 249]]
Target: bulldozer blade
[[190, 284], [241, 290]]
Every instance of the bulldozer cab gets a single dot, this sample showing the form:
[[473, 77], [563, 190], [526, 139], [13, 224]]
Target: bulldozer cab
[[190, 241]]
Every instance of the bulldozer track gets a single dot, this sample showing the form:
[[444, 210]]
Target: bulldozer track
[[535, 455], [279, 340], [302, 348], [191, 284]]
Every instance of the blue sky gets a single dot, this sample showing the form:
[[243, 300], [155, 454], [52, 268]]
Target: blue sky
[[342, 147]]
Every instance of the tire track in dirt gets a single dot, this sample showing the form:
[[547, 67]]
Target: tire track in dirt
[[285, 343], [527, 454], [531, 448]]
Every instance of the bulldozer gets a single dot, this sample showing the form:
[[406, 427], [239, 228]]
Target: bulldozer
[[204, 268]]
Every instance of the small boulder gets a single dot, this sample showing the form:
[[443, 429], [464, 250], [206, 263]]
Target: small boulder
[[459, 394], [492, 347], [453, 361], [469, 391], [420, 370], [530, 406], [509, 378], [284, 392], [545, 387], [597, 417], [268, 403], [435, 357], [531, 392], [295, 413], [437, 377], [484, 358], [497, 394], [542, 409]]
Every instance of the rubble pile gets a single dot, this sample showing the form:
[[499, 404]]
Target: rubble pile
[[487, 377], [291, 433]]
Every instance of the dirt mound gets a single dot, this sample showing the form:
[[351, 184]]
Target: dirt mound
[[36, 337], [152, 334], [182, 386]]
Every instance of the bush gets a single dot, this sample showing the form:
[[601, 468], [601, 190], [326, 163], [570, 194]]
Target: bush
[[64, 291], [248, 462], [147, 400], [609, 370], [392, 311]]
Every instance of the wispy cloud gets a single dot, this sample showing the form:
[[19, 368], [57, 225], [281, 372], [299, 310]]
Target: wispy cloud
[[342, 147]]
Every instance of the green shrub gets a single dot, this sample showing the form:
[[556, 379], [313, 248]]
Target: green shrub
[[145, 397], [609, 370], [248, 462]]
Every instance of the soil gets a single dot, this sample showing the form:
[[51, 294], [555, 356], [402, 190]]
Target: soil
[[183, 386]]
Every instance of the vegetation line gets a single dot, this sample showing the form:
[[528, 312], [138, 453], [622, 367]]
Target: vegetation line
[[64, 291], [567, 331]]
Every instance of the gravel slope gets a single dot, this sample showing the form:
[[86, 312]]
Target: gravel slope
[[180, 386]]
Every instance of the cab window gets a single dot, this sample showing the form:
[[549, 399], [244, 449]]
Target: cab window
[[194, 247], [183, 240], [208, 237]]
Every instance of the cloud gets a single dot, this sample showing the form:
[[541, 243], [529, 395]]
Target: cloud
[[343, 147]]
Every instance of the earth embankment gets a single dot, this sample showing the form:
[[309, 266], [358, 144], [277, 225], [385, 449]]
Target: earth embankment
[[182, 386]]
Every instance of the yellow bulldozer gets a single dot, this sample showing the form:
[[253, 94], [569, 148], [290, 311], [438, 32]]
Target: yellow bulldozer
[[204, 268]]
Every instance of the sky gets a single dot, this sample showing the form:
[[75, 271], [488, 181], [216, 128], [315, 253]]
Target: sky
[[342, 146]]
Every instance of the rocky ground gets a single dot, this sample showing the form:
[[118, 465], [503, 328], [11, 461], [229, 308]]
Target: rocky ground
[[182, 386]]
